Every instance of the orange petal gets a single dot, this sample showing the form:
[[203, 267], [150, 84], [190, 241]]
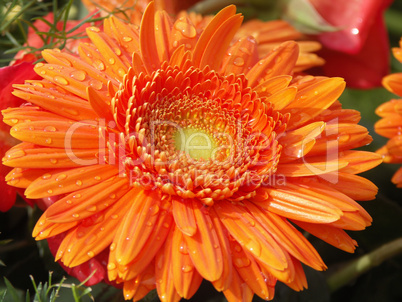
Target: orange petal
[[180, 57], [85, 203], [390, 107], [359, 161], [27, 155], [219, 42], [61, 75], [183, 213], [186, 278], [148, 251], [249, 271], [250, 234], [137, 225], [64, 105], [70, 180], [15, 116], [288, 237], [389, 126], [61, 134], [126, 35], [312, 99], [137, 288], [240, 57], [303, 206], [282, 98], [163, 28], [99, 104], [209, 31], [223, 235], [204, 247], [164, 272], [393, 83], [280, 61], [238, 290], [22, 178], [300, 281], [149, 52], [183, 33], [45, 229], [273, 85], [112, 64], [330, 234], [93, 235]]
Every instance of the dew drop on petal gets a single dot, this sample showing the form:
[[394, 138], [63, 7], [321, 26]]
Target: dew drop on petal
[[97, 178], [50, 128], [78, 183], [61, 177], [113, 246], [79, 75], [95, 84], [48, 140], [50, 191], [254, 246], [76, 215], [115, 216], [91, 254], [98, 64], [111, 61], [46, 176], [127, 39], [53, 161], [239, 62], [92, 209], [111, 266], [187, 268], [60, 80]]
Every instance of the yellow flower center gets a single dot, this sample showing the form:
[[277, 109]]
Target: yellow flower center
[[196, 143]]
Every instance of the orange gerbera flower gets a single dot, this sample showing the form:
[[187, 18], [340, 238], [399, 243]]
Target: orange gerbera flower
[[186, 158], [391, 123]]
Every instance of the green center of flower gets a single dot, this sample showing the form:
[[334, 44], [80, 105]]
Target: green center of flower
[[196, 143]]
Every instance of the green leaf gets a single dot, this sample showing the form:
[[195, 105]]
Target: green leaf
[[12, 291]]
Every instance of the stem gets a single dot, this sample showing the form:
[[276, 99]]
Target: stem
[[357, 267], [209, 6]]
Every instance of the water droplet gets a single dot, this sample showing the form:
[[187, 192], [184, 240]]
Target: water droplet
[[117, 51], [254, 247], [121, 72], [61, 80], [61, 177], [78, 195], [187, 268], [48, 140], [111, 61], [112, 196], [175, 43], [98, 64], [95, 84], [241, 262], [239, 62], [186, 29], [14, 120], [115, 216], [154, 210], [46, 176], [97, 178], [111, 266], [188, 46], [79, 75], [127, 39], [38, 65], [69, 201], [94, 29], [92, 209], [113, 246], [42, 72], [166, 225], [91, 254], [75, 215], [53, 161], [183, 249], [78, 183], [149, 223], [50, 128]]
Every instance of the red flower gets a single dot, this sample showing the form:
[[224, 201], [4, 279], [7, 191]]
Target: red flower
[[10, 75], [360, 51]]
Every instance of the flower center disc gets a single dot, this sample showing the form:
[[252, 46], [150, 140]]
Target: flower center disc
[[195, 143]]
